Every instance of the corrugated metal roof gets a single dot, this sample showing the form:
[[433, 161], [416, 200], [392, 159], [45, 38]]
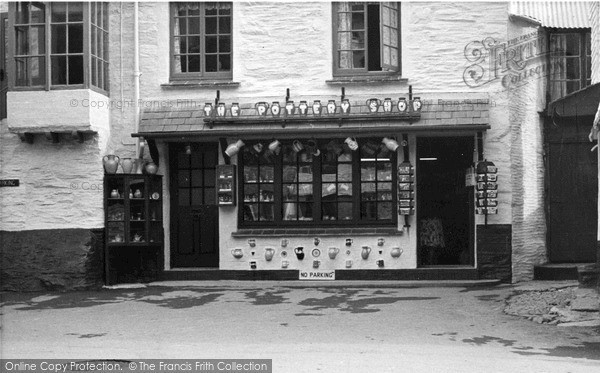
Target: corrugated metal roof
[[560, 14]]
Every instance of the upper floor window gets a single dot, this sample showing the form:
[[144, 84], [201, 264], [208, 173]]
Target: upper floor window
[[570, 63], [366, 38], [55, 42], [201, 43]]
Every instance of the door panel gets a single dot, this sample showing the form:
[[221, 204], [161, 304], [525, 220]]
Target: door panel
[[572, 198], [3, 63], [194, 238]]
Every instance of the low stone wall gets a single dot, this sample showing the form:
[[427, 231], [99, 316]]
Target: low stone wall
[[56, 259], [494, 252]]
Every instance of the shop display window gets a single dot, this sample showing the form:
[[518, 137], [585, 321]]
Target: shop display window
[[308, 181]]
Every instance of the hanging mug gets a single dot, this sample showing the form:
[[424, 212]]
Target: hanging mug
[[234, 148], [390, 144], [275, 147], [299, 251], [402, 105], [316, 107], [373, 104], [237, 253], [313, 148], [261, 108], [345, 106], [352, 143], [387, 105], [289, 108], [208, 109], [275, 109], [235, 109], [297, 146], [331, 107], [303, 108], [396, 252], [258, 148]]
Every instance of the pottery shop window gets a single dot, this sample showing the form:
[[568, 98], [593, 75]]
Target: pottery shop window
[[317, 182], [53, 45], [201, 41], [366, 38], [570, 62]]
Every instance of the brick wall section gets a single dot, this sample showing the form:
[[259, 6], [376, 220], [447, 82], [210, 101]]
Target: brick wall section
[[61, 259], [494, 252]]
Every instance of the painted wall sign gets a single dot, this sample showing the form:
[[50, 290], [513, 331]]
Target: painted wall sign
[[317, 275], [9, 183]]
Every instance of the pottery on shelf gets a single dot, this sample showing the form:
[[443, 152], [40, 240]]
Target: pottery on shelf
[[127, 165], [151, 168], [111, 163]]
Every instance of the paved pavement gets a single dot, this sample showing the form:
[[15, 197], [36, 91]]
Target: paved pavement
[[396, 327]]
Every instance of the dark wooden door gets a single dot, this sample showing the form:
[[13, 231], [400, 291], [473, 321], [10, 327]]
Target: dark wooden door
[[194, 213], [3, 63], [572, 193]]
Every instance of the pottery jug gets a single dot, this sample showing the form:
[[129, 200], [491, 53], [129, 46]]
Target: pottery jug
[[127, 165], [299, 252], [331, 107], [333, 251], [366, 250], [138, 166], [208, 109], [303, 108], [261, 108], [373, 104], [387, 105], [289, 108], [391, 144], [416, 104], [395, 252], [269, 252], [402, 105], [234, 148], [316, 107], [151, 168], [111, 163], [237, 253], [345, 106], [114, 194], [221, 109], [275, 109], [235, 109], [138, 193]]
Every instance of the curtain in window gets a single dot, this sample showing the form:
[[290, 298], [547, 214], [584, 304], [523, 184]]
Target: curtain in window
[[558, 67], [344, 36]]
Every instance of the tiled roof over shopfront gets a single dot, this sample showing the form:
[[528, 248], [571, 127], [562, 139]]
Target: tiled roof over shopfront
[[439, 114]]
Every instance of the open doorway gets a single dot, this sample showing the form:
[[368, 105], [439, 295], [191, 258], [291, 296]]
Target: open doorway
[[445, 220]]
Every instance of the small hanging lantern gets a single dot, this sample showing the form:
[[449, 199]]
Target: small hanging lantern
[[331, 107], [235, 109], [345, 106], [261, 108], [387, 105], [208, 108], [303, 108], [275, 109], [316, 107], [487, 188], [221, 109], [416, 105], [289, 108]]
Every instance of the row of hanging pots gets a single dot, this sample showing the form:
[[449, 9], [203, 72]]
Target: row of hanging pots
[[238, 253], [111, 164]]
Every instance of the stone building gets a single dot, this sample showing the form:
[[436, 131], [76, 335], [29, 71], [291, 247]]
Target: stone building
[[371, 174]]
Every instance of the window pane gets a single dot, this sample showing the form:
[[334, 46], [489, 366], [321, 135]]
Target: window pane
[[59, 40], [224, 25], [93, 43], [76, 38], [211, 44], [224, 44], [224, 62], [209, 196], [193, 44], [212, 63], [344, 172], [358, 21], [105, 15], [266, 211], [183, 178], [289, 192], [99, 44], [37, 68], [193, 64], [184, 197], [358, 59], [106, 77], [37, 13], [76, 12], [573, 68], [22, 13], [209, 177], [59, 70], [93, 13], [197, 196], [210, 25], [75, 69], [59, 12], [21, 41], [345, 211], [193, 26], [197, 178], [105, 51], [37, 40], [384, 211], [94, 72], [21, 72]]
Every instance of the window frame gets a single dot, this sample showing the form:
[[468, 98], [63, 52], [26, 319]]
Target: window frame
[[202, 75], [48, 86], [340, 72], [584, 53], [317, 184]]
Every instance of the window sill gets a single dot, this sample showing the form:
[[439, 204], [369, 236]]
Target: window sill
[[286, 232], [366, 79], [199, 84]]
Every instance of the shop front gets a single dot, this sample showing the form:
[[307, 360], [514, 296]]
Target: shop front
[[371, 193]]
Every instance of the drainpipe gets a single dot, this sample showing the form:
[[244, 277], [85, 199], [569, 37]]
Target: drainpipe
[[136, 75]]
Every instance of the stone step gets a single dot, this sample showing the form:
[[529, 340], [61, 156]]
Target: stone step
[[558, 271]]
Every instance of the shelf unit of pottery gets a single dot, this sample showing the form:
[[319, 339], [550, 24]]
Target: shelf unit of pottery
[[226, 185], [134, 227]]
